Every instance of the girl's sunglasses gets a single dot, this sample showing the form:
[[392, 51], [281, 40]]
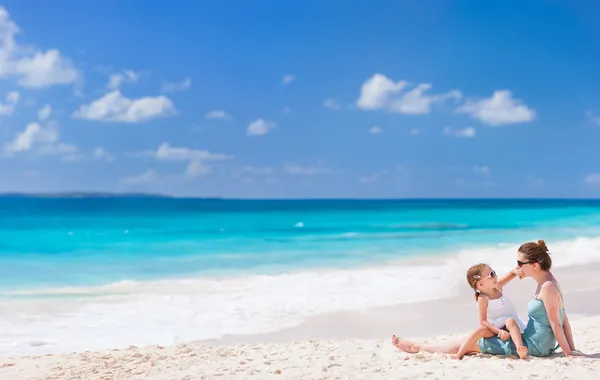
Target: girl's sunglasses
[[492, 275]]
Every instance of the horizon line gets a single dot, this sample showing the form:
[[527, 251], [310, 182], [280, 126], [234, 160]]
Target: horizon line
[[102, 194]]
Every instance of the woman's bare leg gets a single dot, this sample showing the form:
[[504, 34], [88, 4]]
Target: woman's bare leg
[[471, 341], [515, 333], [448, 347]]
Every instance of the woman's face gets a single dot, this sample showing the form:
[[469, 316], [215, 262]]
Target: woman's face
[[524, 264]]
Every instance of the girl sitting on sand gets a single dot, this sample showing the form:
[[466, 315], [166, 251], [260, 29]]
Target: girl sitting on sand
[[497, 315]]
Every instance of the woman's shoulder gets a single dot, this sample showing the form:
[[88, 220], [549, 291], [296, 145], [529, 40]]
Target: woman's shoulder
[[550, 288]]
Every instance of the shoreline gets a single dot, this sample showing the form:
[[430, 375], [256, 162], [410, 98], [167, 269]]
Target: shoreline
[[352, 344], [176, 313]]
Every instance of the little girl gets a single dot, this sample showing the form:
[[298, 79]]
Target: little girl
[[497, 315]]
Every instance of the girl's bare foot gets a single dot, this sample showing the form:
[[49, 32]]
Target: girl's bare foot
[[405, 345], [522, 351]]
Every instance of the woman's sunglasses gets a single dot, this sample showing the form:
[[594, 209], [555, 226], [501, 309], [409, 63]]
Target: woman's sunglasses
[[521, 263]]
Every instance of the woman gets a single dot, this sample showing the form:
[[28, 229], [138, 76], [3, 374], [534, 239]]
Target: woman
[[548, 322]]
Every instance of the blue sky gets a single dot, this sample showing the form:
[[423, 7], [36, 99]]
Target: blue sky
[[275, 99]]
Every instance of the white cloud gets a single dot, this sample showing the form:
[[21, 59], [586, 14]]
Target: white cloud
[[259, 127], [331, 104], [32, 67], [166, 152], [397, 170], [593, 118], [592, 179], [177, 86], [375, 130], [258, 170], [149, 176], [116, 80], [485, 170], [44, 112], [468, 132], [374, 176], [114, 107], [287, 79], [500, 109], [197, 169], [375, 92], [295, 169], [33, 134], [195, 158], [101, 154], [40, 140], [59, 149], [380, 92], [8, 107], [12, 97], [416, 102], [414, 131], [218, 114]]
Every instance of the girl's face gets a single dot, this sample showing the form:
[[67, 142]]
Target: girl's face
[[488, 281]]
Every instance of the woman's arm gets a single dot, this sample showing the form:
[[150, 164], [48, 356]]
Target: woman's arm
[[551, 298], [568, 333]]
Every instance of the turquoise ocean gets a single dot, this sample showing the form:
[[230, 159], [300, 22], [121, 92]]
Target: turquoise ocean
[[96, 273]]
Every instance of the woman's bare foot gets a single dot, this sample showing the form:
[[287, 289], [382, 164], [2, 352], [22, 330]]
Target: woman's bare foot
[[522, 351], [405, 345]]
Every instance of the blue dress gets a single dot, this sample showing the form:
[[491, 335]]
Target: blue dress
[[538, 335]]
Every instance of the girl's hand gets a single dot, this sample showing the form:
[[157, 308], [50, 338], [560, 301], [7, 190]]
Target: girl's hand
[[503, 335], [517, 272]]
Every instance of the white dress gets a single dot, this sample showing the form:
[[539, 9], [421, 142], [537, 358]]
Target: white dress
[[500, 309]]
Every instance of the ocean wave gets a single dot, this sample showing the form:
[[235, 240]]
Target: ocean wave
[[173, 311]]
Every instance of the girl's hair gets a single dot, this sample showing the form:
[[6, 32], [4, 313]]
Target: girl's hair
[[537, 252], [474, 275]]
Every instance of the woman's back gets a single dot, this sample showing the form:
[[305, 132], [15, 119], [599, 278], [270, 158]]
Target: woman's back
[[538, 334]]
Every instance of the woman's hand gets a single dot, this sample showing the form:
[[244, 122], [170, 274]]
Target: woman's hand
[[503, 335], [575, 354]]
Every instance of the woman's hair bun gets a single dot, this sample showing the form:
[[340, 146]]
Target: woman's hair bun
[[542, 245]]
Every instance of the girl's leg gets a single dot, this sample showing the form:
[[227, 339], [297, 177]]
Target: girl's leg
[[515, 332], [449, 347], [471, 341]]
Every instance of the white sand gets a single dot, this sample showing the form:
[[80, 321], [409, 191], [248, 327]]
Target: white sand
[[312, 359], [342, 346]]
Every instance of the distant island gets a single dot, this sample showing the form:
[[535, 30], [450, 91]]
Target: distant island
[[82, 194]]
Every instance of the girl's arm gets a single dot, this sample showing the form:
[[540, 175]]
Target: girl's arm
[[550, 297], [507, 278], [482, 303]]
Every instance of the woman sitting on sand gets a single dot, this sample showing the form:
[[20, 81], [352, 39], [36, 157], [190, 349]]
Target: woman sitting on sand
[[547, 324]]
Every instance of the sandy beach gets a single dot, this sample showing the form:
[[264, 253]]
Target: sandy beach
[[351, 345], [309, 359]]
